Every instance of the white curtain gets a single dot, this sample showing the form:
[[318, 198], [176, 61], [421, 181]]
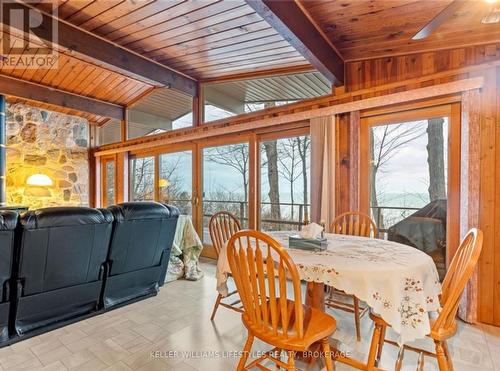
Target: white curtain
[[323, 170]]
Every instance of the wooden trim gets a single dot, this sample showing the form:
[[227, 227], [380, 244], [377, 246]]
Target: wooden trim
[[116, 57], [354, 157], [41, 93], [454, 164], [216, 130], [421, 51], [287, 18], [254, 187], [410, 115]]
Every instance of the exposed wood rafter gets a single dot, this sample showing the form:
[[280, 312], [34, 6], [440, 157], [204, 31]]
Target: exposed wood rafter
[[289, 20], [27, 90], [106, 53]]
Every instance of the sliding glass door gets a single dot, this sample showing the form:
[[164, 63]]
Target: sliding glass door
[[407, 162]]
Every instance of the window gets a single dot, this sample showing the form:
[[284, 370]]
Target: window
[[162, 111], [175, 180], [110, 183], [285, 183], [142, 179], [225, 182], [109, 133], [226, 99], [407, 163]]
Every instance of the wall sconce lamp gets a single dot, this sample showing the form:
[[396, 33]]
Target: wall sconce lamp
[[38, 185], [39, 180]]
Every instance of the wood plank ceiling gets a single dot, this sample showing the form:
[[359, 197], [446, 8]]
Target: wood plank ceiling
[[365, 29], [202, 39]]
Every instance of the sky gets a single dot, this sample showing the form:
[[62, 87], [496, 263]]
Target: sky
[[407, 171]]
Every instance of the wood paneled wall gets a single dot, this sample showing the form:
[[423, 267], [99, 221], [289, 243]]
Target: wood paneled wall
[[376, 72]]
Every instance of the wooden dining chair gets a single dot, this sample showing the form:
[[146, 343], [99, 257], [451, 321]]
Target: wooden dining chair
[[222, 226], [260, 267], [444, 325], [352, 223]]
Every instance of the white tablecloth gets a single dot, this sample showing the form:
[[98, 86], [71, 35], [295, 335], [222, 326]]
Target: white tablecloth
[[397, 281], [186, 250]]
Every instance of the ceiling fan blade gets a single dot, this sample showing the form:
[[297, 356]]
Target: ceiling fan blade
[[439, 19]]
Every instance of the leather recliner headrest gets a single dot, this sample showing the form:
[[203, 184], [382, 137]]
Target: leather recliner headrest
[[143, 210], [64, 217], [8, 220]]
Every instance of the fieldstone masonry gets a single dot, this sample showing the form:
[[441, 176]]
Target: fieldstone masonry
[[50, 143]]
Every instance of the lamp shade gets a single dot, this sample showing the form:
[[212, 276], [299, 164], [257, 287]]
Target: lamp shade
[[40, 180], [162, 183]]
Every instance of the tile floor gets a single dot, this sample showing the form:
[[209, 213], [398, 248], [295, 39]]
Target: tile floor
[[145, 336]]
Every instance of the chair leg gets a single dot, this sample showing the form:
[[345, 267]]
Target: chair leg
[[399, 361], [356, 318], [380, 345], [441, 357], [245, 353], [278, 356], [291, 361], [328, 356], [448, 355], [216, 305], [420, 364], [370, 365]]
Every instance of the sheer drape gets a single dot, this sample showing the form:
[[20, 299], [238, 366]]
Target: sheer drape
[[323, 169]]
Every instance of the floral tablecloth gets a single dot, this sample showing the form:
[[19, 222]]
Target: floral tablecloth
[[397, 281], [185, 253]]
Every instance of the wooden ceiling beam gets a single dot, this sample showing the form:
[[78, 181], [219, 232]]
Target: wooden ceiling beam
[[294, 26], [35, 92], [104, 52]]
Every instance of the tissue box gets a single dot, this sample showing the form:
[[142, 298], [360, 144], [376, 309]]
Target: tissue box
[[314, 244]]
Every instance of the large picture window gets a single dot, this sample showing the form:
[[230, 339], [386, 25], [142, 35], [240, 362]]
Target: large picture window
[[226, 99], [142, 179], [225, 182], [175, 184], [285, 183]]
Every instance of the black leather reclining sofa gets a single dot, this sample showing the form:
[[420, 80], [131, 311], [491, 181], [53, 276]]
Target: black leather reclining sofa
[[59, 265]]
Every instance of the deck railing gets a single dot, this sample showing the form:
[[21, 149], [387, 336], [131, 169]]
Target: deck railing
[[240, 210]]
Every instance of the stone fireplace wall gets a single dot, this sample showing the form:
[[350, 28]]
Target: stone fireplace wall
[[50, 143]]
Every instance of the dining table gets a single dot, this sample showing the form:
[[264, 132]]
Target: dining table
[[398, 282]]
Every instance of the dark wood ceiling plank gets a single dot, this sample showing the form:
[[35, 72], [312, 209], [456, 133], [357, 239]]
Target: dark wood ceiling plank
[[23, 89], [288, 19], [108, 54]]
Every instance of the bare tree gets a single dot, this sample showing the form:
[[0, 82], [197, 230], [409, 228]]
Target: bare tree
[[303, 145], [143, 178], [435, 159], [290, 168], [236, 157], [271, 151], [386, 143]]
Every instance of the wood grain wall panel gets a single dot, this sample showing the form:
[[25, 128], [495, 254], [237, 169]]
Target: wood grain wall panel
[[496, 313], [368, 73]]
